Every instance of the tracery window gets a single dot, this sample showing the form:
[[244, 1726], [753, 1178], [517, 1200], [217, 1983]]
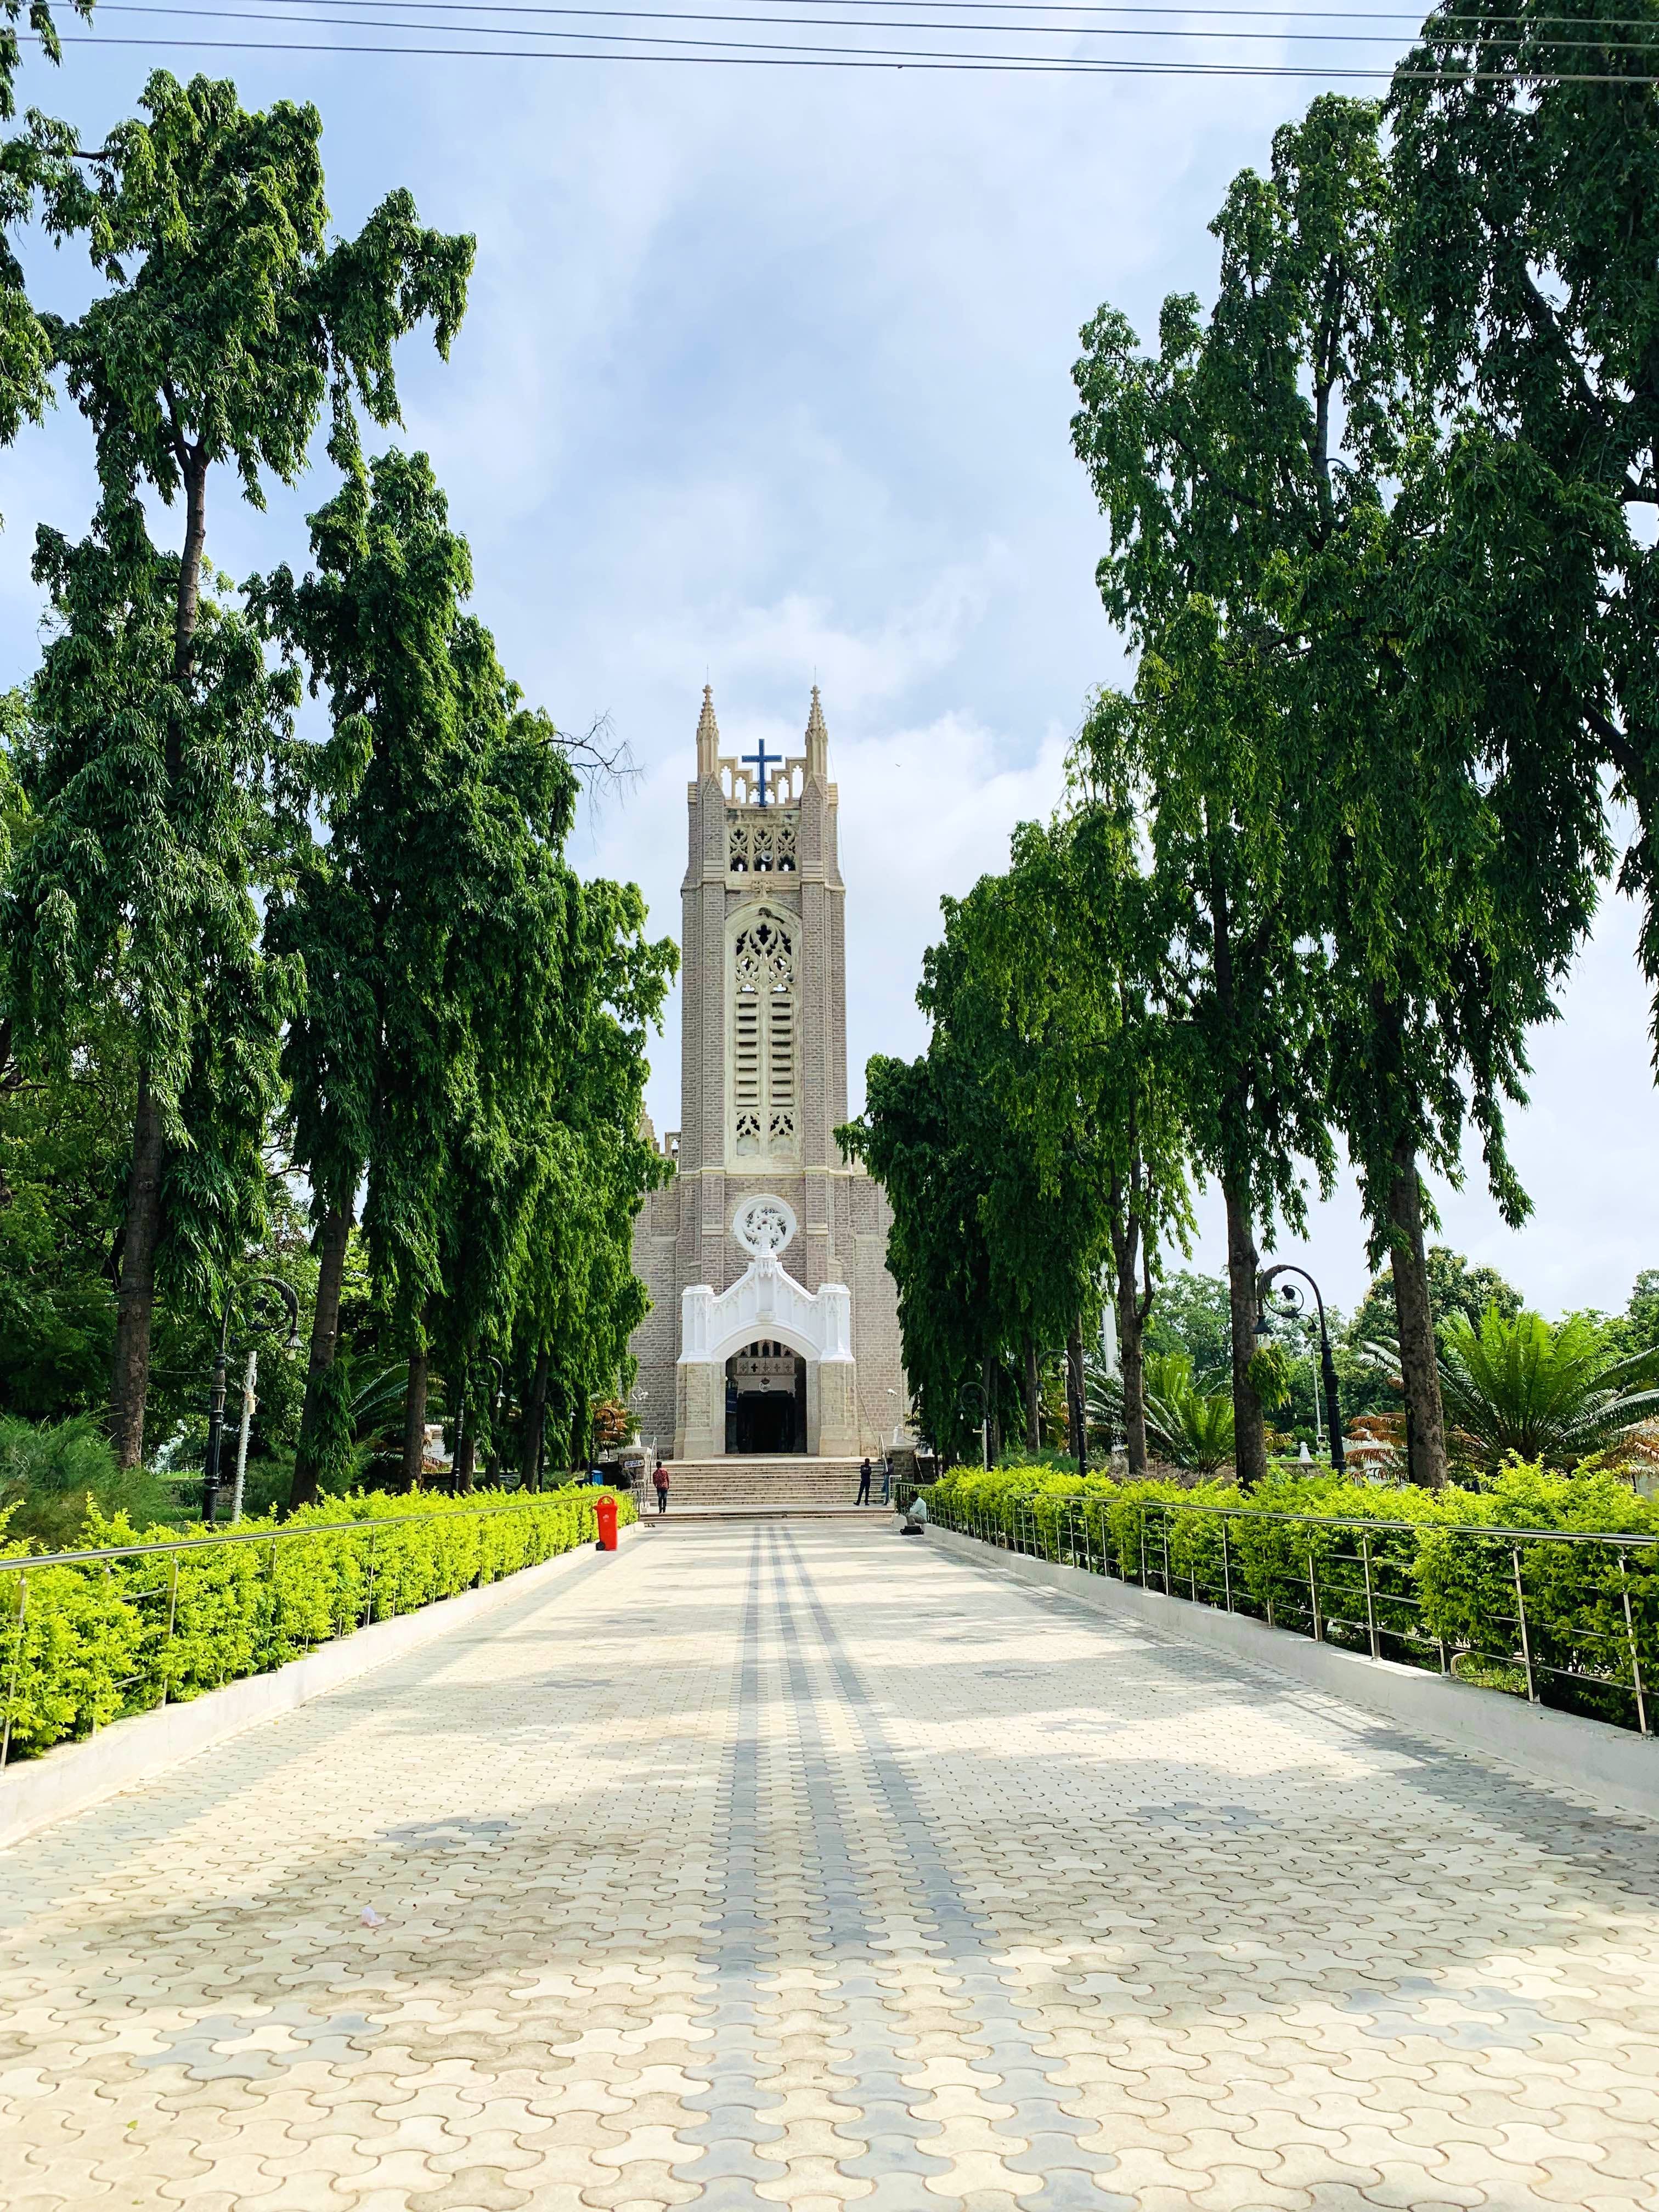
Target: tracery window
[[765, 1085], [761, 842]]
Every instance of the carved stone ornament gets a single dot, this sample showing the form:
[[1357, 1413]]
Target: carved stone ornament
[[763, 1225]]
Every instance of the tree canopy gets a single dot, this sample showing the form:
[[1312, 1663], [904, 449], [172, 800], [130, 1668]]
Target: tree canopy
[[234, 960]]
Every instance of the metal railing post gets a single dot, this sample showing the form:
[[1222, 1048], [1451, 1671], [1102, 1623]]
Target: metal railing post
[[1370, 1602], [94, 1730], [1313, 1594], [1629, 1635], [1163, 1523], [1226, 1565], [1526, 1639], [173, 1616], [16, 1662]]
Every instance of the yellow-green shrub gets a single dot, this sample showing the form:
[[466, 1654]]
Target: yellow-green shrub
[[1434, 1580], [118, 1635]]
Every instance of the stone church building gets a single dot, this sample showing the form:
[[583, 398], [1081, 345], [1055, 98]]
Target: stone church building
[[774, 1322]]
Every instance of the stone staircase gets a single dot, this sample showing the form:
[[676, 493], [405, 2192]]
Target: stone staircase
[[762, 1487]]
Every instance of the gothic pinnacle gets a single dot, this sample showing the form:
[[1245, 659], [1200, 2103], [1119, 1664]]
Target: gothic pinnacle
[[818, 743], [708, 736]]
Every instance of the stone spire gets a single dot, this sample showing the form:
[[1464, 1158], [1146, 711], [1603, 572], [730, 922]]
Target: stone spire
[[708, 737], [817, 744]]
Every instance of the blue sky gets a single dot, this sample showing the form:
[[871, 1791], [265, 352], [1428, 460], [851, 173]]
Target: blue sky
[[766, 375]]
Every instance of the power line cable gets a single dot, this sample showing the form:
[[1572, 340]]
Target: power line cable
[[327, 12], [782, 55], [1115, 8]]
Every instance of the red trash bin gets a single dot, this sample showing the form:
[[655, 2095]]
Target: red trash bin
[[605, 1512]]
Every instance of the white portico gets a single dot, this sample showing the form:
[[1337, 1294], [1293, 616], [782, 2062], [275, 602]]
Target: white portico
[[774, 1329], [721, 1335]]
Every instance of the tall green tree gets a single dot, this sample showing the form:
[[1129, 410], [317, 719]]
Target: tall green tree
[[1017, 1051], [1434, 903], [1033, 1156], [374, 904], [1130, 1085], [229, 320], [1240, 971], [129, 907], [470, 1050], [916, 1136], [578, 1299], [1526, 162]]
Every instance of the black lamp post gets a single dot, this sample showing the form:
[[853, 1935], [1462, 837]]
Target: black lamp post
[[1291, 1303], [290, 1297], [976, 1390]]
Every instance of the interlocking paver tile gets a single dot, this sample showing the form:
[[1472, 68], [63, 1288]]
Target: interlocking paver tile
[[783, 1866]]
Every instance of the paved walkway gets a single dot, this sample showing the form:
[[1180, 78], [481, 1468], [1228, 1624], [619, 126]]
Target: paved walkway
[[776, 1866]]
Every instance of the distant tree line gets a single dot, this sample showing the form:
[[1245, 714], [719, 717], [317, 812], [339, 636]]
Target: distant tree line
[[1380, 535], [308, 991]]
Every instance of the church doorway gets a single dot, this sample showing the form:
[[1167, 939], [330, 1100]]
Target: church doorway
[[765, 1401]]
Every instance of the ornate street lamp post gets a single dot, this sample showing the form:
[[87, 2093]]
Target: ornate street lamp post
[[976, 1390], [268, 1285], [1291, 1304]]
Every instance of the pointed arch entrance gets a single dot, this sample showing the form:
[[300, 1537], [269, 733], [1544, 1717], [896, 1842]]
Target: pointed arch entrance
[[766, 1400]]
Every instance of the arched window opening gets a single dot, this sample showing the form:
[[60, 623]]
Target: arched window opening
[[765, 1081]]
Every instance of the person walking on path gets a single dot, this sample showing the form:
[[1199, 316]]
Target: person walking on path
[[661, 1478], [864, 1484]]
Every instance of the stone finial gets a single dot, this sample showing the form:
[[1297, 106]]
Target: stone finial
[[708, 737], [818, 743]]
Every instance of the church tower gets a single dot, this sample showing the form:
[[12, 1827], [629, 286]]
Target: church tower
[[774, 1329]]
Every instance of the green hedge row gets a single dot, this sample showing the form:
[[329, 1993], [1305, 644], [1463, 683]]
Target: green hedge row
[[1438, 1592], [90, 1642]]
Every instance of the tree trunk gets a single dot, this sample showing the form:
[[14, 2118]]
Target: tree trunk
[[1249, 1442], [141, 1225], [187, 602], [535, 1422], [1033, 1431], [187, 605], [415, 1421], [582, 1431], [135, 1299], [325, 1343], [1076, 1403], [1131, 1353], [1426, 1423], [1132, 1363], [467, 1443]]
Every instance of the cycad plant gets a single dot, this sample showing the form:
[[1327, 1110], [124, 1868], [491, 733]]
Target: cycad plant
[[1193, 1422], [1524, 1388]]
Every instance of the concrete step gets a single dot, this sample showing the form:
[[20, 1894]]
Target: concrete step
[[703, 1517], [775, 1483]]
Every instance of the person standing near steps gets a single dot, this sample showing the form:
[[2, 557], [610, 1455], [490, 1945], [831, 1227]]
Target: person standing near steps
[[661, 1478], [864, 1484]]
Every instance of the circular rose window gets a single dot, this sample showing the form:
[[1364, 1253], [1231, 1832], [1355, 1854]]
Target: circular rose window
[[763, 1224]]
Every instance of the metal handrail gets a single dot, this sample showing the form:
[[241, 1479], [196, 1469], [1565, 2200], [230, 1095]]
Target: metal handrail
[[1630, 1536], [1071, 1523], [31, 1560], [1623, 1536], [366, 1530]]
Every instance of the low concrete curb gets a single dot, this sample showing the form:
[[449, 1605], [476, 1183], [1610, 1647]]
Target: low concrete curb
[[1617, 1769], [72, 1776]]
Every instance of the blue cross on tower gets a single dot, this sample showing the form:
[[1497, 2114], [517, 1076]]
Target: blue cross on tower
[[757, 760]]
